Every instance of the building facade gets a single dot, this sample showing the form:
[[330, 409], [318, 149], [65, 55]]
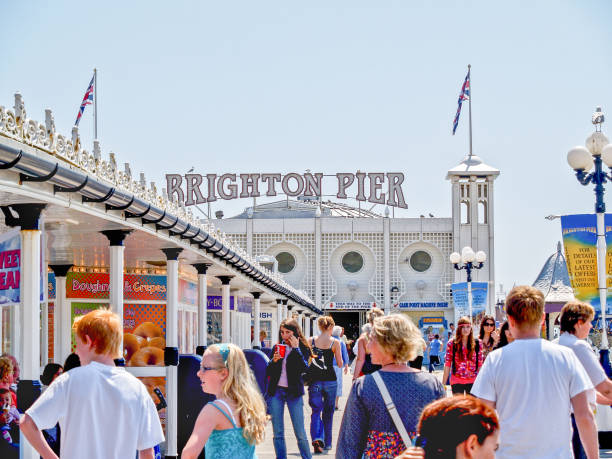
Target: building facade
[[348, 259]]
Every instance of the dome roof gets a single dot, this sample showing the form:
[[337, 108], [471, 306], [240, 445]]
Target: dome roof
[[472, 165], [553, 280], [302, 208]]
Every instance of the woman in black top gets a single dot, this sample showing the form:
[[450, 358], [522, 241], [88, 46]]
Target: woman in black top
[[286, 386], [363, 364], [323, 384]]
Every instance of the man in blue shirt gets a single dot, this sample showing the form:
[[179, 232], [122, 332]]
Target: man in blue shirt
[[434, 351]]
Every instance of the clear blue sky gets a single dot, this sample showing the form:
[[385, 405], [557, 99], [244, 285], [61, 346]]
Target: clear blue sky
[[277, 86]]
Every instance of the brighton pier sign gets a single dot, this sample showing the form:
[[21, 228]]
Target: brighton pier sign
[[189, 189]]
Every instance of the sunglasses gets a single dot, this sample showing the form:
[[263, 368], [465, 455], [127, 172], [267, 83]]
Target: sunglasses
[[205, 369], [488, 324]]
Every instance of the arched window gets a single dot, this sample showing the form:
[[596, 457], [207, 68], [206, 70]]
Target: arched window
[[465, 213], [482, 212]]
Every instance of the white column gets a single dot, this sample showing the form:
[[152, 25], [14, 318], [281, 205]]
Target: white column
[[249, 233], [202, 343], [116, 279], [30, 299], [285, 310], [225, 309], [172, 265], [256, 316], [116, 239], [491, 248], [474, 213], [387, 273], [30, 322], [116, 284], [279, 312], [62, 328], [307, 326], [456, 214], [62, 308]]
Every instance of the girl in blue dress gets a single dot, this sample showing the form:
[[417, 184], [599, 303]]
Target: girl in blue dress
[[234, 423]]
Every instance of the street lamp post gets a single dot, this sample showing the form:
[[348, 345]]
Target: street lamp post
[[470, 261], [582, 159]]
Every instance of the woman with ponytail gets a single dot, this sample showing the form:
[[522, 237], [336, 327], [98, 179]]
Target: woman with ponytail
[[234, 423]]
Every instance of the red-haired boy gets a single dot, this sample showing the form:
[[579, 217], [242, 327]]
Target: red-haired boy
[[104, 412]]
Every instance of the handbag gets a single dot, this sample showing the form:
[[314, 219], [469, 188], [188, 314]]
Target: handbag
[[399, 425]]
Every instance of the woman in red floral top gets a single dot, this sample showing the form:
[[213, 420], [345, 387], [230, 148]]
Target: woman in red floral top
[[468, 358]]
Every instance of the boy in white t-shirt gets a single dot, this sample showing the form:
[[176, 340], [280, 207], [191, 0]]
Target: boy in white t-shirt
[[534, 384], [103, 411]]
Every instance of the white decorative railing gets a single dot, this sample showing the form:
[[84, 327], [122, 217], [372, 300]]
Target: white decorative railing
[[16, 125]]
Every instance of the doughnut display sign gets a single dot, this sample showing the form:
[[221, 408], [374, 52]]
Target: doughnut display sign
[[137, 287], [144, 334]]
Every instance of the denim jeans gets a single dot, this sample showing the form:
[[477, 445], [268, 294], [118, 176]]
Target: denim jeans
[[322, 400], [276, 406], [433, 360]]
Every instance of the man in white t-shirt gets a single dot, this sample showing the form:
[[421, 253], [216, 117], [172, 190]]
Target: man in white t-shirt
[[103, 411], [576, 323], [534, 384]]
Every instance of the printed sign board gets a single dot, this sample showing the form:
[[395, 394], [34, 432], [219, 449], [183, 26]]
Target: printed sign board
[[350, 305], [580, 244], [425, 304]]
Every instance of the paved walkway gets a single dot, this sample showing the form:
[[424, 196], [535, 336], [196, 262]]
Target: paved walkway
[[266, 449]]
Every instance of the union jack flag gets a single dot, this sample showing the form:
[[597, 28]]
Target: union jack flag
[[464, 95], [87, 100]]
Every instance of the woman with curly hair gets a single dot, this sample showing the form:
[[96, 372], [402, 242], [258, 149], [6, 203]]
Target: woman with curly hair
[[234, 423], [367, 429], [463, 358]]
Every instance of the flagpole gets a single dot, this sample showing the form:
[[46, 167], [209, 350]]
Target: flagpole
[[470, 102], [96, 106]]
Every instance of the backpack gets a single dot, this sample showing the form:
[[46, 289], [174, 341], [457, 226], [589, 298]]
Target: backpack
[[476, 352]]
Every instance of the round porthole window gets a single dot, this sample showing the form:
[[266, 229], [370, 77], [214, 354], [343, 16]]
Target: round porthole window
[[286, 262], [352, 262], [420, 261]]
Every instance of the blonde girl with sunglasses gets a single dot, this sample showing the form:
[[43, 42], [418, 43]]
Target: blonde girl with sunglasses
[[234, 423]]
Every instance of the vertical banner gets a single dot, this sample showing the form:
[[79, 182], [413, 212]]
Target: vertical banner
[[479, 300], [580, 245], [10, 258]]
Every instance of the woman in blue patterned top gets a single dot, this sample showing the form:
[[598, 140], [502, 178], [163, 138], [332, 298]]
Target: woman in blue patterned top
[[367, 429], [234, 423]]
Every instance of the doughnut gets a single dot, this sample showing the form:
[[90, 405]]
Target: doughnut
[[148, 330], [152, 382], [158, 341], [147, 356], [131, 344]]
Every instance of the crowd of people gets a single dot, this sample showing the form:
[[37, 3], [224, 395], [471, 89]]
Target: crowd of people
[[507, 385]]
